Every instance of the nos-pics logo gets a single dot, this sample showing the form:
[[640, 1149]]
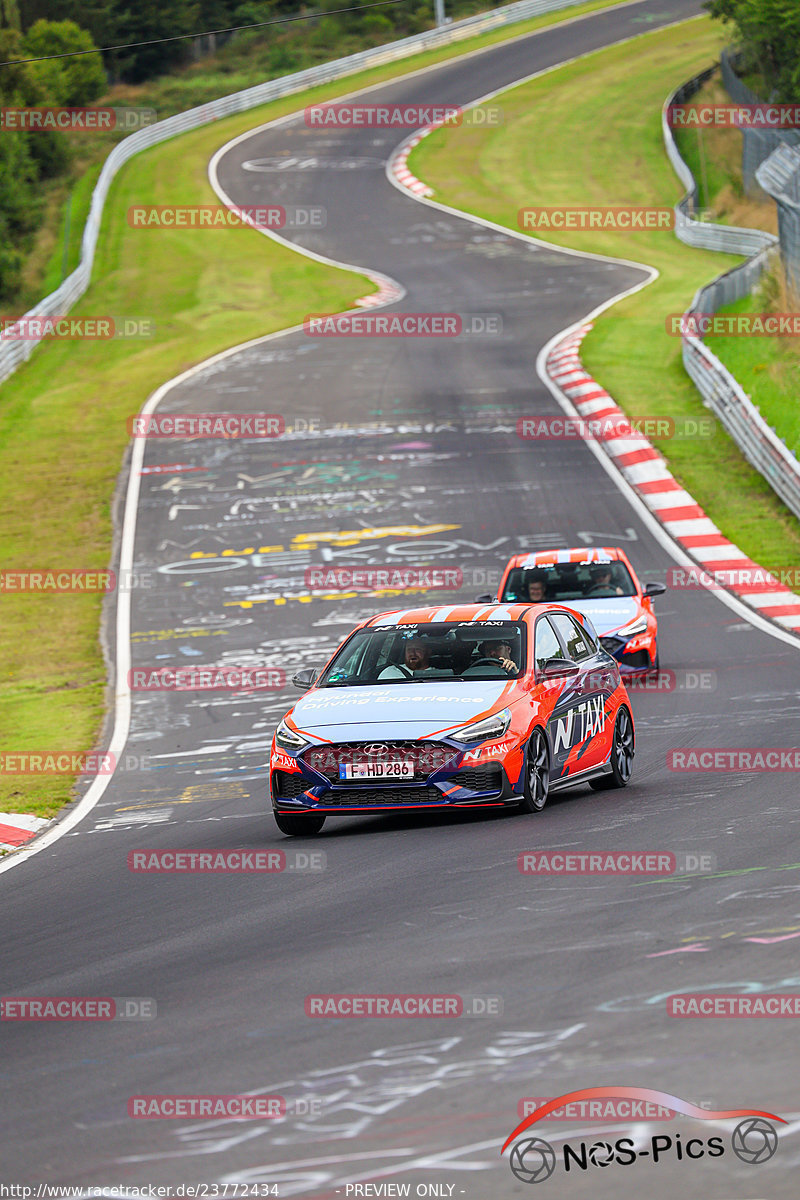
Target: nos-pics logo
[[533, 1160]]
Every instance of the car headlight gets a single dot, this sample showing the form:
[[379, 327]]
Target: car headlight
[[287, 738], [637, 626], [480, 731]]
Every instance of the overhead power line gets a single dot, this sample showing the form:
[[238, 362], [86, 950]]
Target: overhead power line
[[185, 37]]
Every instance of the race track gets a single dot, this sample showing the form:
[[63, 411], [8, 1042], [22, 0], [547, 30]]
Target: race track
[[416, 461]]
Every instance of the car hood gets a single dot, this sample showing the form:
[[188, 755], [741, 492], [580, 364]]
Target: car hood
[[404, 710], [609, 612]]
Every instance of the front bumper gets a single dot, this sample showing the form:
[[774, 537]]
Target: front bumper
[[452, 784]]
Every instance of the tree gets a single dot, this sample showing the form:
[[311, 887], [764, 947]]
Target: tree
[[68, 81], [9, 14], [768, 34], [151, 20], [19, 203]]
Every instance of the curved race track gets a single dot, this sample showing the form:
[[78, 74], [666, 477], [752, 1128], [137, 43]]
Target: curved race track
[[416, 461]]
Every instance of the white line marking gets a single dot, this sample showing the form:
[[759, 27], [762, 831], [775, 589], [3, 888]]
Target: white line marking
[[122, 704]]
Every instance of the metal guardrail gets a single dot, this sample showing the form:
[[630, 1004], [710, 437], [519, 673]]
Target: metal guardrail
[[732, 239], [721, 393], [15, 351]]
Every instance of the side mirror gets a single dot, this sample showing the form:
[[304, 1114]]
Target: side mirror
[[306, 678], [487, 598], [655, 589], [559, 666]]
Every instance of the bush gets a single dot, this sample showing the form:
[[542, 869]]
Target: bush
[[69, 81], [378, 28]]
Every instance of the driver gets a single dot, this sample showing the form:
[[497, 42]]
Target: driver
[[417, 658], [601, 582], [501, 652]]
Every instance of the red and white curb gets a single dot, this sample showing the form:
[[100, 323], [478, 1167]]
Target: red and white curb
[[398, 166], [18, 828], [388, 292], [647, 473]]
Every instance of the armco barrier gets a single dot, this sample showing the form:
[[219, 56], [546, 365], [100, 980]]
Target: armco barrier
[[779, 176], [720, 391], [16, 350], [731, 239]]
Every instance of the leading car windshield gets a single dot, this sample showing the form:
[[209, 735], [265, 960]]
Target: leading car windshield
[[398, 654], [562, 582]]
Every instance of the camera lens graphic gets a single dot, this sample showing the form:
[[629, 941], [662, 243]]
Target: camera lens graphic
[[754, 1140], [533, 1161], [601, 1154]]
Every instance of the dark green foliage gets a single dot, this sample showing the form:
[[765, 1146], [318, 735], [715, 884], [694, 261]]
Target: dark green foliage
[[64, 81], [19, 171], [768, 33]]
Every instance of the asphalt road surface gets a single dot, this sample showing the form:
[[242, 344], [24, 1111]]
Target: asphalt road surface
[[409, 456]]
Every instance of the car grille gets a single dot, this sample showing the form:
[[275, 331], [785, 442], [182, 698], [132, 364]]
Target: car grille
[[378, 797], [287, 786], [612, 644], [427, 756], [639, 658], [479, 779]]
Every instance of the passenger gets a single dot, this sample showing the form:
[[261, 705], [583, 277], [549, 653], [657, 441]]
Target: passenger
[[537, 590], [417, 660]]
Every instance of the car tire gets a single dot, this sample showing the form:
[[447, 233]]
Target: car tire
[[537, 774], [622, 752], [297, 824]]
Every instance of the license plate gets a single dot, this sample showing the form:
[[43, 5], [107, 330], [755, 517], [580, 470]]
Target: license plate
[[398, 768]]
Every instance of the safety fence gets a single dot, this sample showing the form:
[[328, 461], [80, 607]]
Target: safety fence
[[770, 163], [757, 144]]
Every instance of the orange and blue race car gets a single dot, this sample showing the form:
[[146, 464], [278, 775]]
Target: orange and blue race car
[[600, 583], [457, 707]]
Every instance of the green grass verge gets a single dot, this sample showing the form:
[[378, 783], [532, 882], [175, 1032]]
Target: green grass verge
[[73, 220], [768, 368], [548, 152], [62, 415], [63, 431]]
